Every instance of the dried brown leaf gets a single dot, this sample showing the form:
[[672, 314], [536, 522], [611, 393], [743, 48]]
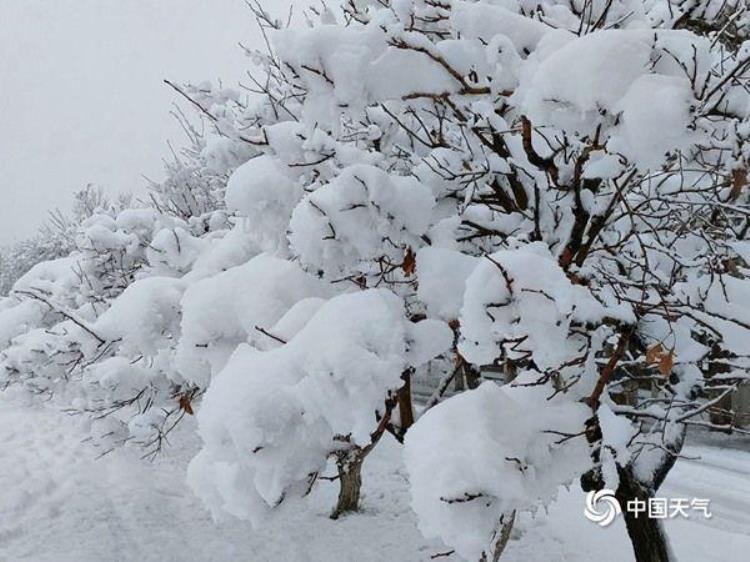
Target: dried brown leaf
[[186, 405], [739, 181], [410, 263], [654, 353], [666, 363]]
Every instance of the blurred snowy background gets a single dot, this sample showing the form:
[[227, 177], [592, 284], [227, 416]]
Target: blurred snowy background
[[82, 98]]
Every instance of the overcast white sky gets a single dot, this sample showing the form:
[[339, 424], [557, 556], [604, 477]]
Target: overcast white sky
[[81, 93]]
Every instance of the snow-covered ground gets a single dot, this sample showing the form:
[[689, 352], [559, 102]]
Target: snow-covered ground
[[60, 503]]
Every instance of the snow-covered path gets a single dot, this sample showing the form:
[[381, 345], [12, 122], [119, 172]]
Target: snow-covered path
[[59, 503]]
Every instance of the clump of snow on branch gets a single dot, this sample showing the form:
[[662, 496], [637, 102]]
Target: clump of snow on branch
[[521, 301], [480, 454], [271, 419], [236, 306]]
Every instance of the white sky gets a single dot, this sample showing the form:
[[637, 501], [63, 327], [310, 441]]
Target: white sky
[[81, 93]]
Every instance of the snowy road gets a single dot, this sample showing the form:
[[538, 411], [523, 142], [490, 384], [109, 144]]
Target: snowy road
[[721, 475], [58, 503]]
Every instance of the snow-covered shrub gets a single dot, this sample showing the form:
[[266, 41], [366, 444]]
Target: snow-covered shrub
[[96, 328]]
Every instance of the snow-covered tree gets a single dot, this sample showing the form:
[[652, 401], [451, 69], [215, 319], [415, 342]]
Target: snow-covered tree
[[155, 301], [196, 176], [95, 326], [55, 238], [589, 157]]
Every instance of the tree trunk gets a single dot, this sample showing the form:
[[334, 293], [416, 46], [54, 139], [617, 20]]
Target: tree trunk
[[647, 536], [349, 464], [350, 484]]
